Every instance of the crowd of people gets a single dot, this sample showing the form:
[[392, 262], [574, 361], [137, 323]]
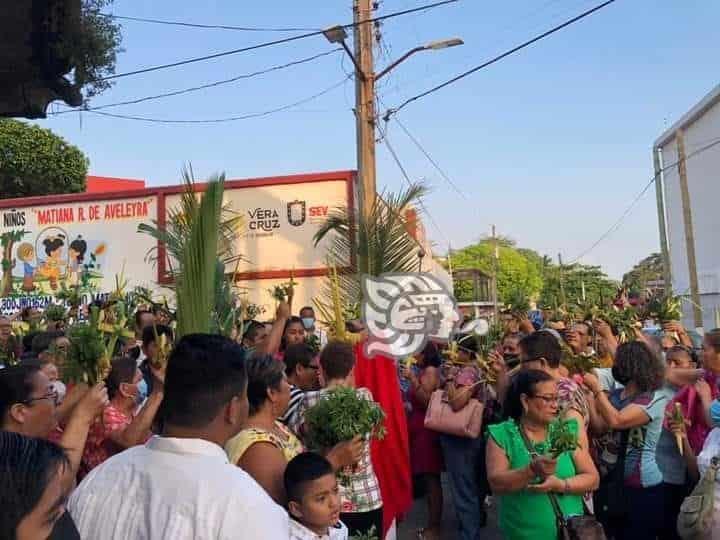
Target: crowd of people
[[215, 443]]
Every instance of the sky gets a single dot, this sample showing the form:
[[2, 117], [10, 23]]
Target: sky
[[551, 144]]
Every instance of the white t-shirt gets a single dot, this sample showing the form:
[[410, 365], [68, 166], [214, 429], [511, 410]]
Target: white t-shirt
[[172, 489], [711, 448]]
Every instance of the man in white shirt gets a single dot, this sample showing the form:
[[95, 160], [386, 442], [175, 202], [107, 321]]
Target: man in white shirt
[[180, 485]]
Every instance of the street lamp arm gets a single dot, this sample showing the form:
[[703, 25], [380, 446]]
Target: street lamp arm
[[358, 70], [400, 60]]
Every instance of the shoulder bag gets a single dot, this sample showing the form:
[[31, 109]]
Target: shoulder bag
[[440, 416], [584, 527], [695, 520], [610, 496]]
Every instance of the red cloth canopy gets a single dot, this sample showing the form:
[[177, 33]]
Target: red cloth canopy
[[390, 456]]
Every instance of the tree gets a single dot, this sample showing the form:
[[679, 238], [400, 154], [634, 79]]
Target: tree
[[93, 51], [599, 288], [648, 270], [516, 273], [35, 161], [7, 242]]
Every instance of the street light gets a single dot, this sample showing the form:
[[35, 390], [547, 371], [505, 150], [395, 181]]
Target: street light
[[432, 46]]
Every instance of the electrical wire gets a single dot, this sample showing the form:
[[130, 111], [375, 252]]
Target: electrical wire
[[204, 86], [500, 57], [430, 159], [223, 120], [206, 26], [405, 175], [272, 43], [615, 226]]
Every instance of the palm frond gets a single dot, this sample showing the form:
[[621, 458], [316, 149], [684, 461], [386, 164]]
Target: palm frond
[[195, 286], [378, 243]]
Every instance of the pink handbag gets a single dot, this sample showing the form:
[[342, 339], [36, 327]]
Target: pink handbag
[[467, 422]]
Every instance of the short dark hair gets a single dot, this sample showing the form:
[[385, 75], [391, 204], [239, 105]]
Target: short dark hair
[[138, 317], [204, 373], [253, 327], [523, 382], [542, 345], [27, 341], [15, 387], [301, 469], [431, 355], [297, 354], [467, 342], [27, 465], [263, 373], [148, 335], [682, 349], [305, 308], [713, 338], [42, 341], [337, 359], [122, 370], [636, 362]]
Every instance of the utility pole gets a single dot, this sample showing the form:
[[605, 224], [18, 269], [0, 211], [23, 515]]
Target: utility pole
[[563, 299], [365, 103], [667, 275], [689, 231], [496, 257]]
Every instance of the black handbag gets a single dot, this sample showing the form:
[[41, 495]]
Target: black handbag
[[585, 527], [610, 504]]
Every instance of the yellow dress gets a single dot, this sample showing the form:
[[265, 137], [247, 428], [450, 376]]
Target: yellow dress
[[287, 442]]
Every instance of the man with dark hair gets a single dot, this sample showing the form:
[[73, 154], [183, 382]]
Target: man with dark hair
[[301, 368], [307, 315], [150, 350], [180, 484], [143, 319], [255, 335]]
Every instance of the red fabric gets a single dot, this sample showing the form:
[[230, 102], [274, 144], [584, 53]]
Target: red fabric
[[692, 410], [390, 456]]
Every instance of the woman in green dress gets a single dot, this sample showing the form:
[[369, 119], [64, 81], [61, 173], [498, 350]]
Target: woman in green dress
[[521, 481]]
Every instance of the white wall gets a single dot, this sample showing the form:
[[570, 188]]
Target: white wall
[[703, 170]]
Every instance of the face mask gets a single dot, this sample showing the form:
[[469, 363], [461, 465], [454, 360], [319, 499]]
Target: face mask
[[60, 390], [142, 392], [308, 322]]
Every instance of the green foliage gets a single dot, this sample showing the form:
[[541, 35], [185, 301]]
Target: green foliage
[[200, 239], [371, 534], [561, 438], [35, 161], [516, 274], [649, 269], [599, 288], [93, 51], [55, 313], [378, 243], [313, 343], [86, 360], [340, 415]]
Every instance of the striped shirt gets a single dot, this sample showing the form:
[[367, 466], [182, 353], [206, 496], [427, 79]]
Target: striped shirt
[[290, 416]]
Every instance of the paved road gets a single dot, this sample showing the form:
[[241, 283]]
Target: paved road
[[417, 519]]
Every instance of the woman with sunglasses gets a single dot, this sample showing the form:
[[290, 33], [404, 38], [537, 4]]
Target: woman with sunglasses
[[521, 477], [634, 415]]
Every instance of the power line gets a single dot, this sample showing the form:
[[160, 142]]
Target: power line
[[395, 157], [206, 26], [204, 86], [223, 120], [272, 43], [615, 226], [430, 159], [500, 56]]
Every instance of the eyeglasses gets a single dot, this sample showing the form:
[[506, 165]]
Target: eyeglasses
[[548, 399], [51, 395]]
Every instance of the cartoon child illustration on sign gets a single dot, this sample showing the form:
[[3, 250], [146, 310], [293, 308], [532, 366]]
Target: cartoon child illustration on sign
[[76, 257], [51, 267], [26, 253]]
